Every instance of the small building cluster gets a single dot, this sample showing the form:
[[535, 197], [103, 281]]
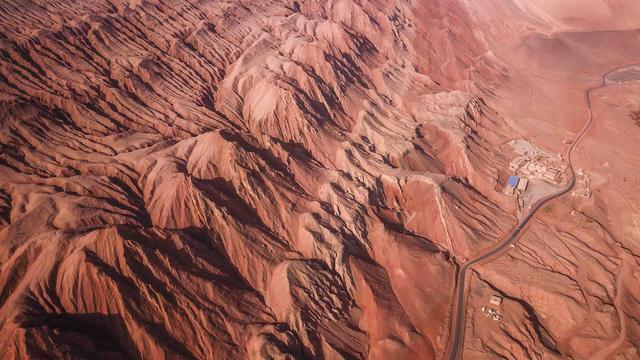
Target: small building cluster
[[536, 169], [584, 180], [490, 312], [535, 163], [517, 185]]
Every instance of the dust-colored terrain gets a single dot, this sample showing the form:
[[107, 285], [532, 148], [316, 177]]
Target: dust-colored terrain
[[569, 285], [207, 179]]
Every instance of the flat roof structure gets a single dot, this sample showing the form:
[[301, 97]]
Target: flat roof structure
[[513, 181], [495, 300], [522, 184]]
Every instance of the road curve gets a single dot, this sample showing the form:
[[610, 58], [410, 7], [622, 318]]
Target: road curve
[[456, 340]]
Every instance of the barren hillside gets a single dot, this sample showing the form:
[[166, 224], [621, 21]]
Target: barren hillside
[[210, 179], [234, 179]]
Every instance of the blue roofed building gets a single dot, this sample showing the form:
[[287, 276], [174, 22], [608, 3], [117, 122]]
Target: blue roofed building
[[512, 184]]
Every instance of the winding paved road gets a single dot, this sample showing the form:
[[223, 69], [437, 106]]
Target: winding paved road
[[458, 323]]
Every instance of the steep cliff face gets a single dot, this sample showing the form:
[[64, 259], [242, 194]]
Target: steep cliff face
[[239, 179]]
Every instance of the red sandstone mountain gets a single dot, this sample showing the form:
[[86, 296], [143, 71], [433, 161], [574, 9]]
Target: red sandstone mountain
[[301, 179]]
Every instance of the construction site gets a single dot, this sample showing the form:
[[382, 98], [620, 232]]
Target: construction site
[[534, 163], [533, 172], [493, 311]]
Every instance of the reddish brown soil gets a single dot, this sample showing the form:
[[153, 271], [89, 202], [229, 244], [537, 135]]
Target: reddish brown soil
[[206, 179], [299, 179], [567, 283]]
